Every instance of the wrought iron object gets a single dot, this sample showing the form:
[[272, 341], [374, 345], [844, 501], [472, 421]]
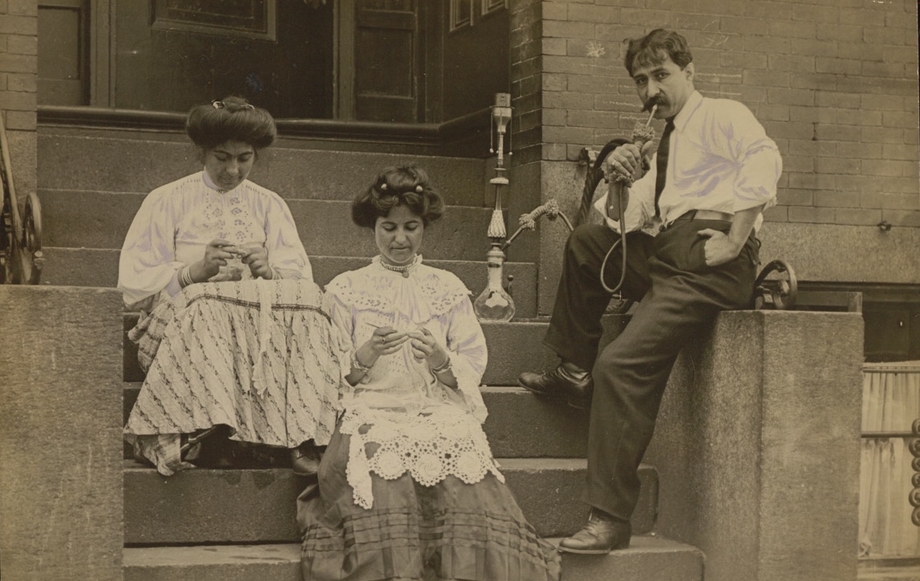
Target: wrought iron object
[[21, 259], [779, 292], [914, 495]]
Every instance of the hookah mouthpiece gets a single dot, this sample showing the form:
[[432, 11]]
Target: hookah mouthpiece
[[644, 132]]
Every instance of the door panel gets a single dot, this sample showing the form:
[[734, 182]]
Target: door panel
[[476, 61], [172, 54], [62, 53], [386, 60]]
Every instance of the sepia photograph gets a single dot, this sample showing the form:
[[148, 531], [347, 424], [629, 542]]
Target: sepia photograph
[[460, 290]]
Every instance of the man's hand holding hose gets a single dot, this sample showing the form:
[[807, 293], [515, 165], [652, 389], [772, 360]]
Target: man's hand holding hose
[[621, 168], [625, 164]]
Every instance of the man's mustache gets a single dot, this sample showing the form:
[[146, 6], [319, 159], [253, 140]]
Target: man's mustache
[[657, 100]]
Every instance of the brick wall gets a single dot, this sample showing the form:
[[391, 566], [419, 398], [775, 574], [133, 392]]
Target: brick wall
[[527, 78], [18, 86], [833, 81]]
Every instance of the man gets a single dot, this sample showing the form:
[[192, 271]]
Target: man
[[715, 171]]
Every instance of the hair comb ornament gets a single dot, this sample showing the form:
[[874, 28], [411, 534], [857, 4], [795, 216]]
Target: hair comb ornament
[[217, 104], [383, 187], [419, 189]]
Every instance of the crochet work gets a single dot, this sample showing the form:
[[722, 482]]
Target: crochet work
[[428, 447]]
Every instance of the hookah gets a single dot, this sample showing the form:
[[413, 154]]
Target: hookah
[[495, 303]]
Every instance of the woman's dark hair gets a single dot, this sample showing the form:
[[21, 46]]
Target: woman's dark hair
[[405, 185], [649, 49], [233, 119]]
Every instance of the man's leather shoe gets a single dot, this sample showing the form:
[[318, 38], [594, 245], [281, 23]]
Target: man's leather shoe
[[602, 534], [562, 384]]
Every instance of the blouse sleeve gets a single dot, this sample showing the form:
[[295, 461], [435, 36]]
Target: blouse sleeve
[[148, 264], [466, 346], [342, 329], [286, 253]]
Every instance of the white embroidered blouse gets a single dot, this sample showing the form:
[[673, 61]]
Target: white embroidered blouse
[[177, 221], [418, 424]]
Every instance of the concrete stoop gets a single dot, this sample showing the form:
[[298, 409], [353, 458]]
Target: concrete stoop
[[259, 505], [648, 559]]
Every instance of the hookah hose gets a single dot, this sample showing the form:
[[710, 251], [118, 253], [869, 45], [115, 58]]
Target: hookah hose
[[642, 133], [620, 191]]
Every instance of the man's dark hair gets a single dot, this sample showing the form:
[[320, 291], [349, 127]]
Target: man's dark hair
[[652, 48]]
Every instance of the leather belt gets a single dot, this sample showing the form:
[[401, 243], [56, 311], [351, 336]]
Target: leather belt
[[703, 215]]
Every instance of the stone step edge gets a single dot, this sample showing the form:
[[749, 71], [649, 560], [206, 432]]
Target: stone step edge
[[46, 190], [507, 464], [278, 553], [483, 388]]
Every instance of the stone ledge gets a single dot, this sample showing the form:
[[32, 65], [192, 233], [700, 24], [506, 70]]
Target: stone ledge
[[757, 444]]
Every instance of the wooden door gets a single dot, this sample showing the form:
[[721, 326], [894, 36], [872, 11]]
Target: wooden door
[[172, 54], [386, 60], [63, 55]]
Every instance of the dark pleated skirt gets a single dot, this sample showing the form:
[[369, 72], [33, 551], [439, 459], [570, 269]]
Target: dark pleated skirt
[[452, 530]]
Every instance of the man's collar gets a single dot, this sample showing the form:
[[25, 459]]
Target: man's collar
[[693, 103]]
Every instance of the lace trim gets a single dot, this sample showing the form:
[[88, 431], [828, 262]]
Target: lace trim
[[428, 447], [373, 288]]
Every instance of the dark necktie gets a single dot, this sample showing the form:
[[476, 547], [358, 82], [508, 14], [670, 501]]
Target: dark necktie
[[662, 163]]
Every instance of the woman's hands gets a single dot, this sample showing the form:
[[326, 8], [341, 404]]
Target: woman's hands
[[219, 251], [256, 257], [426, 348], [387, 340], [384, 341], [216, 254]]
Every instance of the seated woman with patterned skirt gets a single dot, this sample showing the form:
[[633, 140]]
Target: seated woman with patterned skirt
[[408, 487], [235, 337]]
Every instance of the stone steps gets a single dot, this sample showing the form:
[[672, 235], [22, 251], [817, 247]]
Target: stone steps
[[519, 424], [239, 525], [98, 267], [240, 506], [75, 159], [89, 202], [96, 219], [514, 347], [648, 559]]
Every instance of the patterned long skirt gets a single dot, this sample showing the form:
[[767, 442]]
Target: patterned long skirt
[[451, 530], [257, 356]]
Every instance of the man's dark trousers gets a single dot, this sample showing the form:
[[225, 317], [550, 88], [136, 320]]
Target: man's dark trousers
[[680, 296]]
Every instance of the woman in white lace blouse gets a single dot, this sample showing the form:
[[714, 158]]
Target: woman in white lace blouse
[[215, 224], [231, 332], [408, 488]]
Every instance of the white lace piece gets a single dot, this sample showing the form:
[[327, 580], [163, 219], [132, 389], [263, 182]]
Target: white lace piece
[[429, 447], [419, 425]]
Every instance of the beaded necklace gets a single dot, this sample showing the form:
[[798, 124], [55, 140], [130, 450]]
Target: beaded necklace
[[402, 269]]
